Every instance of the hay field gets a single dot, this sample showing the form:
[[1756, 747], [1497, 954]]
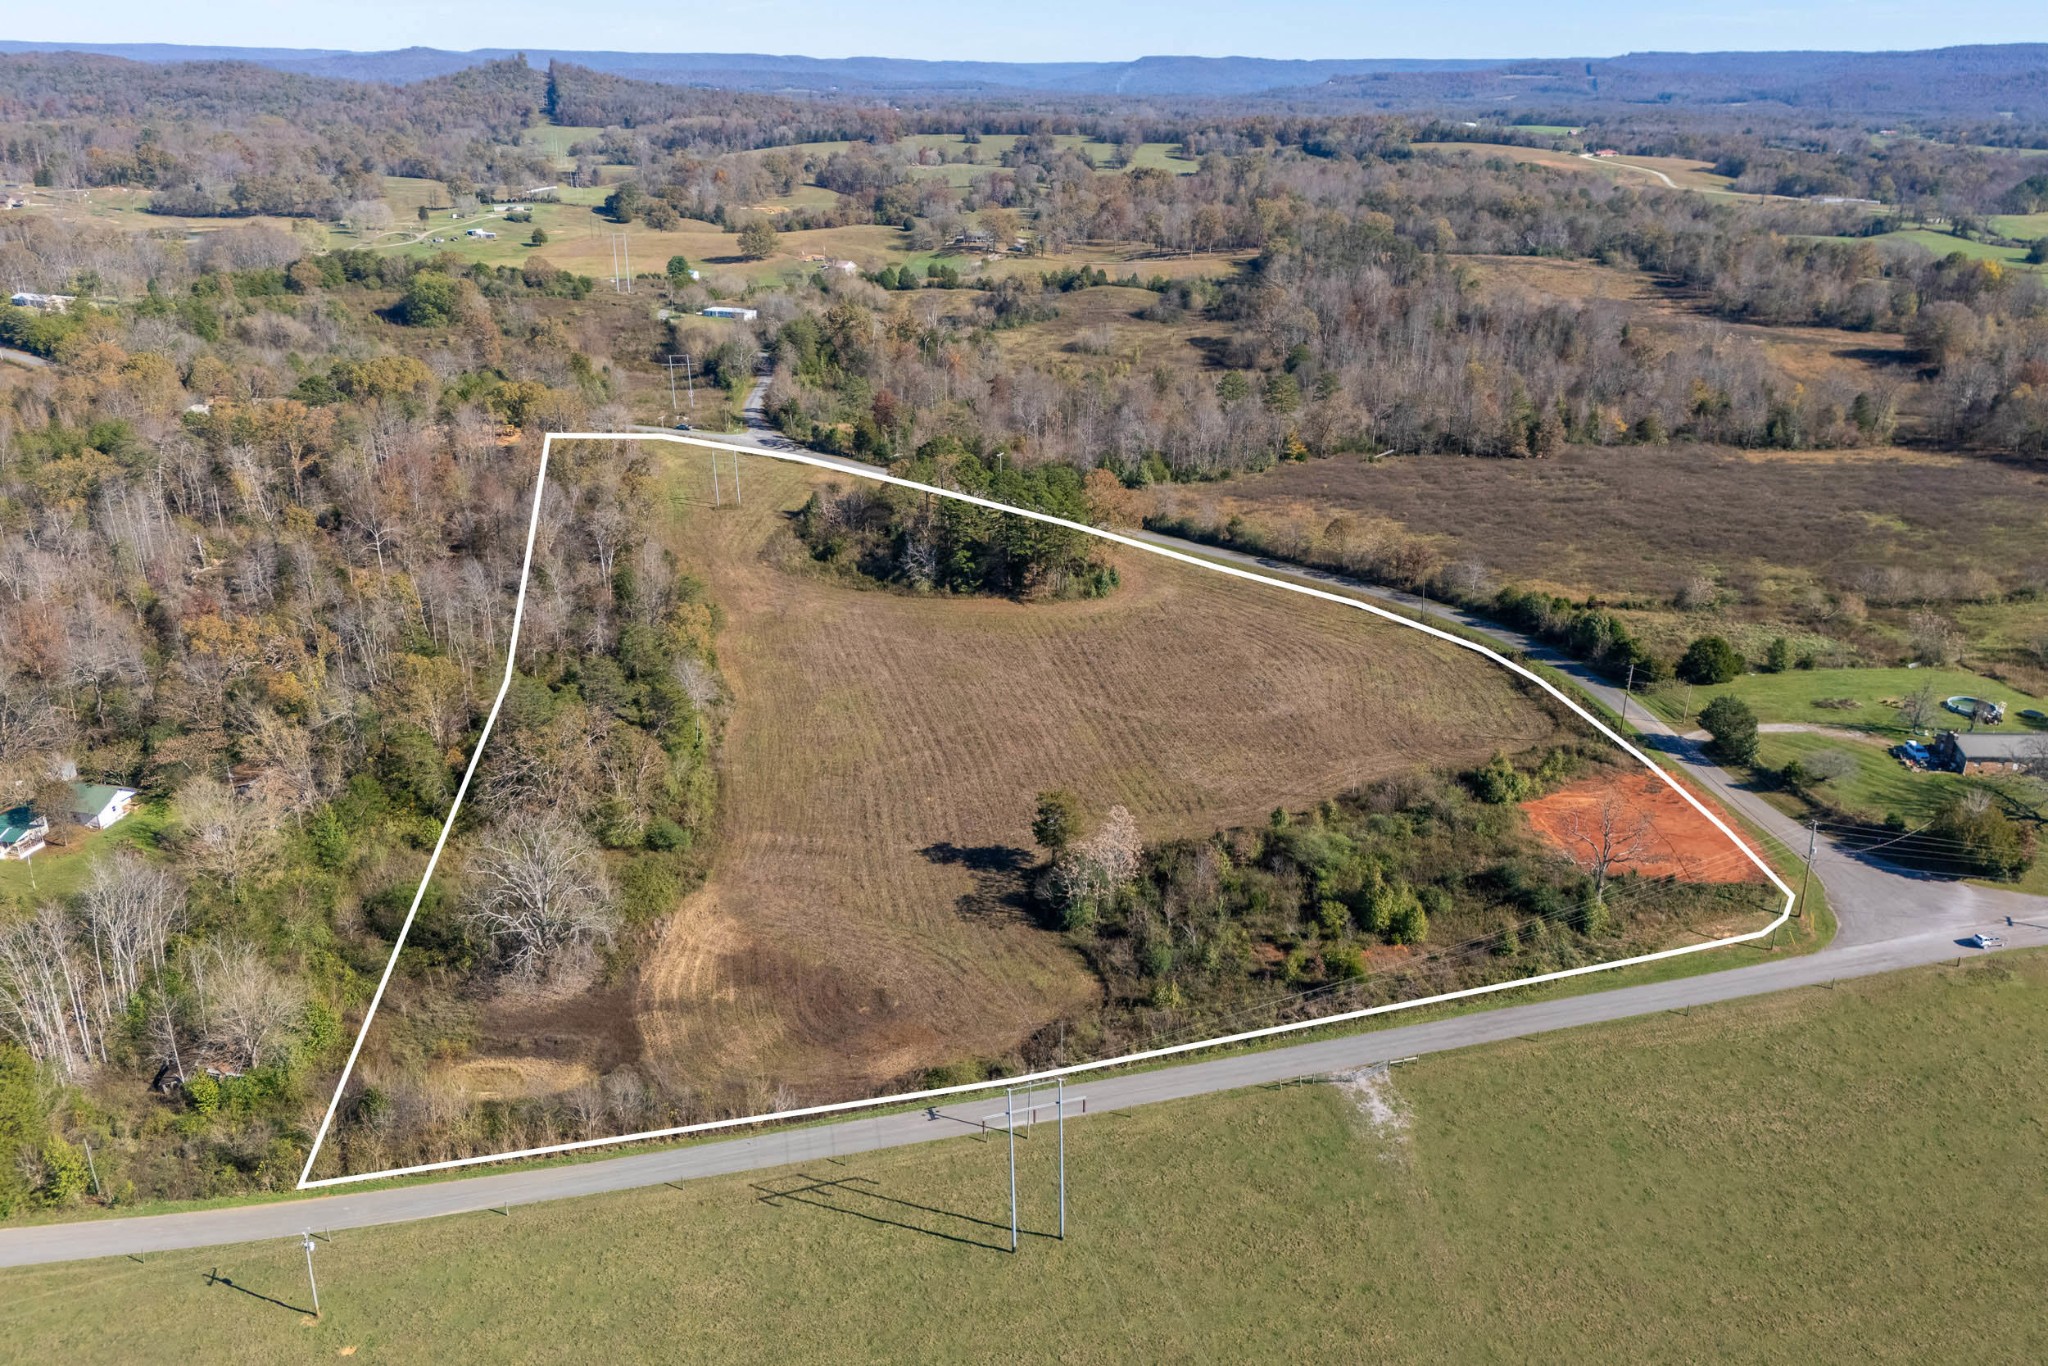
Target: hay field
[[1622, 521], [865, 918]]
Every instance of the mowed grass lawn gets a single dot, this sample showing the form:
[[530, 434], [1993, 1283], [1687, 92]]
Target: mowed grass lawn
[[61, 870], [1830, 1174], [1798, 696]]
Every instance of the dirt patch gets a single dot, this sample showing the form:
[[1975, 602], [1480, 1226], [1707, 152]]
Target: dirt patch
[[1371, 1092], [1669, 838], [515, 1078], [592, 1029]]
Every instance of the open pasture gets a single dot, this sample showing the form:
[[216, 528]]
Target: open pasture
[[865, 917]]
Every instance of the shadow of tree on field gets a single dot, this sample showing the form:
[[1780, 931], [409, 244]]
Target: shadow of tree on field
[[856, 1196], [999, 874]]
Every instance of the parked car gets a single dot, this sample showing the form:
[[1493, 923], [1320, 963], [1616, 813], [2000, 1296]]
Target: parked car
[[1985, 941]]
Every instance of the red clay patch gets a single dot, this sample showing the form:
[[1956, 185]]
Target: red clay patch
[[1669, 837]]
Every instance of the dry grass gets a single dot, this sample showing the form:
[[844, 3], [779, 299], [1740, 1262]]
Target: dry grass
[[1682, 172], [1805, 354], [864, 917], [1634, 520], [1102, 325]]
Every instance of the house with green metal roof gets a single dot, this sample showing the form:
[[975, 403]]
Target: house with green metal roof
[[98, 805], [21, 832]]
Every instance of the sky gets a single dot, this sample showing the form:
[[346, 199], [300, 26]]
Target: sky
[[1051, 30]]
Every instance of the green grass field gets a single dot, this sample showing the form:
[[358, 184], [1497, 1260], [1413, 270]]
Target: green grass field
[[1942, 243], [1794, 696], [1822, 1174], [2024, 226], [61, 871], [556, 139]]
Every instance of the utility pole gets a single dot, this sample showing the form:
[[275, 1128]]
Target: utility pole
[[92, 1167], [735, 478], [672, 404], [1060, 1109], [1626, 689], [308, 1236], [1010, 1123], [714, 479], [1812, 844]]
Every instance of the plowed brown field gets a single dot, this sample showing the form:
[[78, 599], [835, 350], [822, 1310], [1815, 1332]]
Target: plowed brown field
[[865, 915]]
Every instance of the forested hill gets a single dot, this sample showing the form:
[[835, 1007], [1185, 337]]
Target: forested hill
[[1981, 80]]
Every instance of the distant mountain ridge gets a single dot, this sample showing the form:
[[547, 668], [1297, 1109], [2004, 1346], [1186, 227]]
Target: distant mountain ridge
[[1164, 75], [2004, 80]]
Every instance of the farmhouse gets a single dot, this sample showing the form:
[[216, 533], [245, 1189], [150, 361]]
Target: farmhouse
[[93, 805], [21, 833], [98, 805], [47, 303], [1987, 753], [481, 232], [746, 315]]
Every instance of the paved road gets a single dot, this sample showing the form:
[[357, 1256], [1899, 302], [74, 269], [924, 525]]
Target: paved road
[[1890, 918], [120, 1237]]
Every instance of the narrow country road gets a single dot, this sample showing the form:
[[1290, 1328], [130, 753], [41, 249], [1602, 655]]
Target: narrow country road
[[156, 1233], [1890, 918]]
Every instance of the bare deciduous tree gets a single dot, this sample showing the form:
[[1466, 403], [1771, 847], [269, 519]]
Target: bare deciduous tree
[[131, 906], [225, 835], [66, 981], [1935, 638], [1097, 867], [246, 1007], [1610, 835], [45, 1003], [1919, 710], [538, 890]]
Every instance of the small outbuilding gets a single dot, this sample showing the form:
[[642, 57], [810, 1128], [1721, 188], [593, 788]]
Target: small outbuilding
[[99, 805]]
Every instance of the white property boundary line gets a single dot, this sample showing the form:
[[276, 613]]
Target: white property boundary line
[[800, 458]]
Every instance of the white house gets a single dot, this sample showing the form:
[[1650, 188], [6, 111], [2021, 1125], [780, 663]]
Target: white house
[[98, 805], [745, 315], [21, 833], [48, 303], [481, 232]]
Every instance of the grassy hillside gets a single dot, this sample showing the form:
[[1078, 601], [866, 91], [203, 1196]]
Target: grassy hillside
[[1767, 1180]]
